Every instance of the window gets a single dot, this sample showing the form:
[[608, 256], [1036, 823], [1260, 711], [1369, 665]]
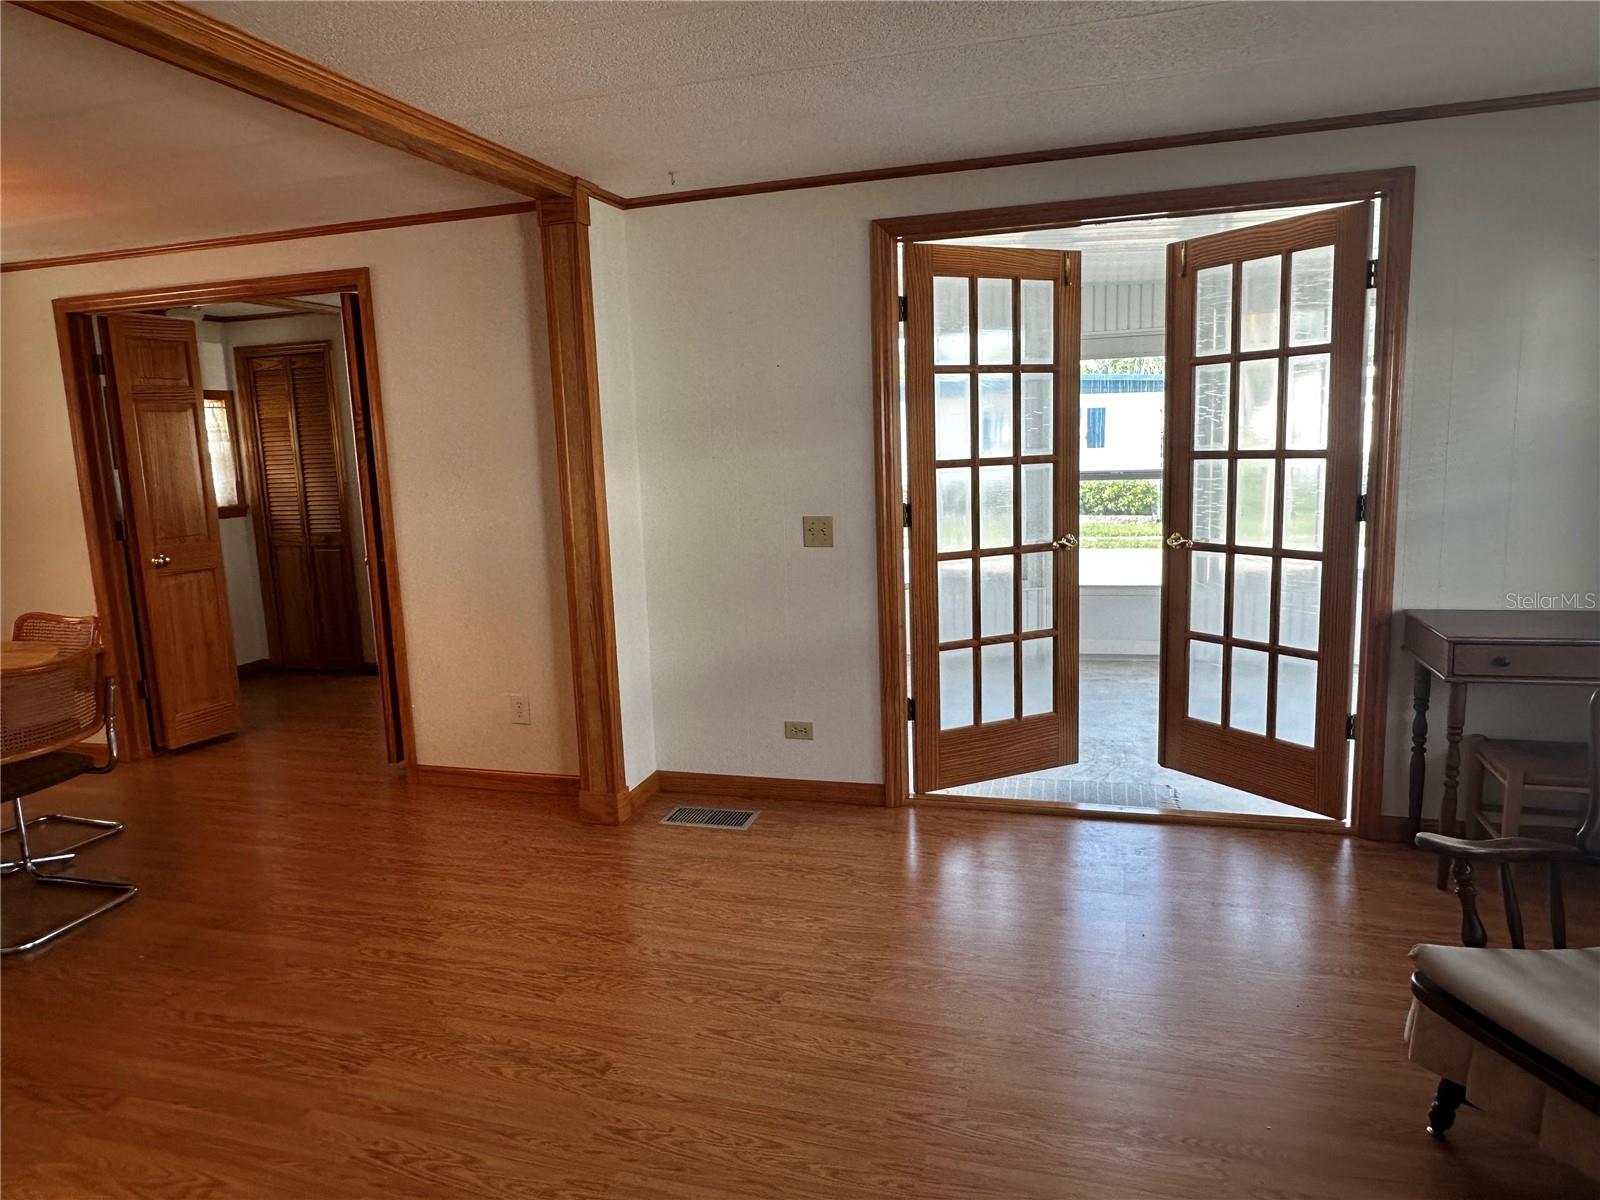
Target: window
[[222, 439], [1095, 438]]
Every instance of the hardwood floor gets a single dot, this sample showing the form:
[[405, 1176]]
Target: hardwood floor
[[336, 985]]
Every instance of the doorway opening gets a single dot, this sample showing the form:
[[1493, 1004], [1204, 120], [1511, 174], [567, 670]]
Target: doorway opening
[[235, 490], [1140, 586]]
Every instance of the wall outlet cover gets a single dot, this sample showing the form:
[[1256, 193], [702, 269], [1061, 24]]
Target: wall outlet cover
[[799, 731], [521, 711], [816, 531]]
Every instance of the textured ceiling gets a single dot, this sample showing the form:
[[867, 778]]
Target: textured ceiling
[[645, 97], [102, 148]]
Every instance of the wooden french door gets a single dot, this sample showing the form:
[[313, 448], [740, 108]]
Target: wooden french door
[[191, 678], [992, 454], [1264, 336], [302, 533]]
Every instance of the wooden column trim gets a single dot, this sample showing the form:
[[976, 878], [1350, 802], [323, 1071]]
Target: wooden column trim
[[893, 686], [603, 795]]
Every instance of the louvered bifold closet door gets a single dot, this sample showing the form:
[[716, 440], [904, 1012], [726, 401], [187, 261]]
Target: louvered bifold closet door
[[301, 485]]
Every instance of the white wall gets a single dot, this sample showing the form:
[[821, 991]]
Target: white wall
[[466, 395], [752, 356], [619, 423], [313, 328]]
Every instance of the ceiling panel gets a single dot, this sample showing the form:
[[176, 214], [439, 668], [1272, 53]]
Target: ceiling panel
[[151, 154], [645, 97]]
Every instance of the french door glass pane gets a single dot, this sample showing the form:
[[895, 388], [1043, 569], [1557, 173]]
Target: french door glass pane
[[1213, 310], [1038, 321], [1209, 512], [999, 681], [952, 334], [994, 507], [1259, 296], [1252, 598], [1300, 603], [1307, 424], [1038, 676], [1206, 591], [994, 415], [955, 688], [1205, 681], [1247, 690], [994, 320], [1211, 407], [952, 416], [1258, 404], [955, 508], [1297, 700], [1038, 592], [1038, 412], [955, 600], [1038, 503], [997, 598], [1303, 503], [1311, 297], [1252, 519]]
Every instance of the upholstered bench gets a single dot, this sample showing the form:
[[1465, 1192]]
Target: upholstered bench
[[1517, 1034]]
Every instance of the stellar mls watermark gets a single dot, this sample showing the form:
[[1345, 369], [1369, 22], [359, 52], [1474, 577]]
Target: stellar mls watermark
[[1553, 600]]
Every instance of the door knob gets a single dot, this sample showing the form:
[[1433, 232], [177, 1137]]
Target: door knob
[[1178, 542], [1067, 541], [160, 560]]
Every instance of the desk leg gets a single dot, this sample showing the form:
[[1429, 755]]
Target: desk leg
[[1421, 686], [1452, 770]]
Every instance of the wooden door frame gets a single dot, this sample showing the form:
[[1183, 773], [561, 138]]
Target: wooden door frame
[[90, 447], [253, 484], [1395, 187]]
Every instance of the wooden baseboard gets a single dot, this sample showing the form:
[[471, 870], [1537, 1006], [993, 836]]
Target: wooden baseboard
[[647, 790], [499, 781], [764, 787], [258, 667], [1398, 829]]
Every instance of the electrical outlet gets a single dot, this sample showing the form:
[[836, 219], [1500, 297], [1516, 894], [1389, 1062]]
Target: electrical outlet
[[799, 731], [521, 713], [816, 531]]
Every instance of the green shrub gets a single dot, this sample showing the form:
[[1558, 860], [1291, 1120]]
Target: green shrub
[[1120, 497]]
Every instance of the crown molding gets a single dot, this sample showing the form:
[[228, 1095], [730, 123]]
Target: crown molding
[[225, 54]]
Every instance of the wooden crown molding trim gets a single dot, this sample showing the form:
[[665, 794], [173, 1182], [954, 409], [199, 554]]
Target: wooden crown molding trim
[[225, 54], [531, 782], [278, 235], [1242, 133]]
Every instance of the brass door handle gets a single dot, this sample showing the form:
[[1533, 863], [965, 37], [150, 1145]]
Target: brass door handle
[[1177, 541], [1067, 541], [160, 560]]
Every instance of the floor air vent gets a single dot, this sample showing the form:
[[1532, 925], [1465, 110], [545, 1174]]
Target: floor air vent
[[710, 818]]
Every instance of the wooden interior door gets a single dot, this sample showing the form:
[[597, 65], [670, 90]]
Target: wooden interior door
[[191, 677], [1264, 335], [992, 453], [303, 537]]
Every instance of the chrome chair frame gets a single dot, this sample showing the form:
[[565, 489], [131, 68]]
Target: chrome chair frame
[[32, 864]]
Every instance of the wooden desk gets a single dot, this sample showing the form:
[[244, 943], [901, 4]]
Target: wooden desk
[[1467, 646]]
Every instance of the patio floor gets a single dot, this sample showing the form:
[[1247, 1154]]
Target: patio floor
[[1117, 753]]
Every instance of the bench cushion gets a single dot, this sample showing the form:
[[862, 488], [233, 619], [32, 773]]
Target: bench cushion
[[1548, 998]]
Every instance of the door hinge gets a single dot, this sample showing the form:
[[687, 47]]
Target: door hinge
[[139, 687], [1066, 272], [1183, 258], [119, 530], [902, 308], [1350, 727], [1361, 507], [98, 362], [911, 709], [905, 514], [1372, 272]]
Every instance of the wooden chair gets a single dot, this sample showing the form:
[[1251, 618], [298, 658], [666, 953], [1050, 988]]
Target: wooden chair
[[1515, 1028], [44, 710], [68, 634], [1521, 767]]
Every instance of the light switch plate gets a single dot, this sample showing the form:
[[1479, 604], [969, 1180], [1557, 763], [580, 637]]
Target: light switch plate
[[799, 731], [817, 531]]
